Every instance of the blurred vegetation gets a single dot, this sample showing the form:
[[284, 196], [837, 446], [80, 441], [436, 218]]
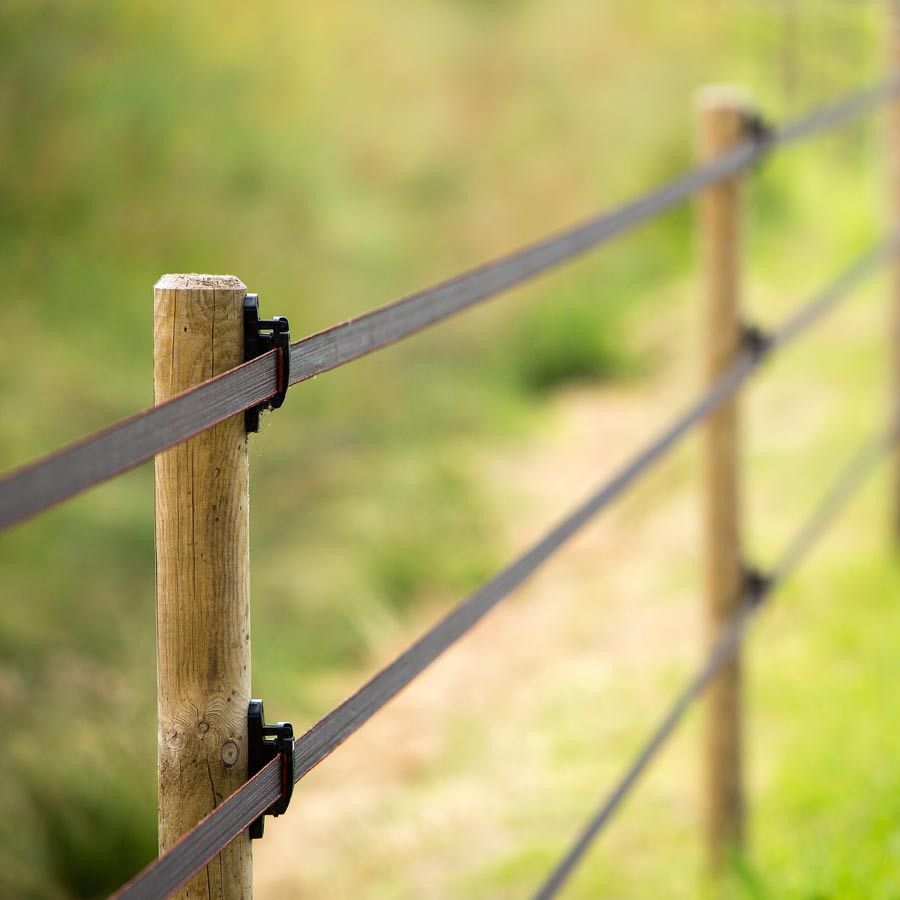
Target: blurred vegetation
[[336, 156]]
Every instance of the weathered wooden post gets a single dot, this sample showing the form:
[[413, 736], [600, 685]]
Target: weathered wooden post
[[202, 579], [893, 164], [722, 113]]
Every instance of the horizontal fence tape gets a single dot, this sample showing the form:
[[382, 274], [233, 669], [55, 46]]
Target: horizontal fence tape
[[725, 648], [332, 730], [341, 722], [130, 442], [374, 330], [841, 112], [201, 845], [39, 485], [324, 737]]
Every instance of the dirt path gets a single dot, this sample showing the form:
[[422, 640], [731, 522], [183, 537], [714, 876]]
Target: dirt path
[[438, 794]]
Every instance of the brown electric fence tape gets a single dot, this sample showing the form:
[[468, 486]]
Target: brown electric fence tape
[[41, 484], [195, 850], [203, 842], [128, 443], [756, 593], [342, 343]]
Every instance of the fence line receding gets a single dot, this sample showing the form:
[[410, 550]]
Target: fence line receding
[[34, 487], [211, 403]]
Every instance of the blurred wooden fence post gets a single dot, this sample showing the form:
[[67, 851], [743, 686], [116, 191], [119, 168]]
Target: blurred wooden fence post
[[721, 113], [202, 579], [893, 164]]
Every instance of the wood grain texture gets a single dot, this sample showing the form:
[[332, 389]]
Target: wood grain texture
[[202, 579], [721, 112]]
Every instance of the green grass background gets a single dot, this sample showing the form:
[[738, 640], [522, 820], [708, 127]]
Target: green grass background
[[336, 156]]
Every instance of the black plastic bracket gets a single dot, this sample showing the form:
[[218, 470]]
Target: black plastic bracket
[[265, 743], [260, 336], [755, 340], [756, 585], [760, 132]]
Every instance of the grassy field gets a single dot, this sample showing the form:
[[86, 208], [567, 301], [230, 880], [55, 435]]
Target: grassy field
[[335, 157]]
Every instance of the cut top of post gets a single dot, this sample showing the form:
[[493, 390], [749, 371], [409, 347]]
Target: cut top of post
[[712, 97], [196, 282]]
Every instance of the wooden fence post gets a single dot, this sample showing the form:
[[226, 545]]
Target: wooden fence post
[[202, 579], [721, 112], [893, 165]]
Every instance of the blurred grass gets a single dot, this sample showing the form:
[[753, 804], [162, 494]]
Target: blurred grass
[[336, 156]]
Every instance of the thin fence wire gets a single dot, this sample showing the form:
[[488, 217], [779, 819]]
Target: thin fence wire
[[725, 648]]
